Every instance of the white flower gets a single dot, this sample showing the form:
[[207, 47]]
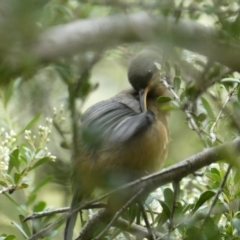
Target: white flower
[[4, 157]]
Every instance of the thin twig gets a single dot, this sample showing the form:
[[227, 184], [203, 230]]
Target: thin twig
[[220, 189], [207, 83], [182, 169], [60, 210], [137, 230], [211, 133], [175, 172], [61, 133], [185, 110], [179, 170], [176, 190], [227, 112], [46, 213], [9, 189], [151, 233], [118, 213], [41, 233]]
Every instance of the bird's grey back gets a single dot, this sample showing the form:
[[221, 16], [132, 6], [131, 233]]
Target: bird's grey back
[[114, 121]]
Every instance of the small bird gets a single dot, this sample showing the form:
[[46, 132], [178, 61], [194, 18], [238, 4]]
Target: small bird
[[122, 138]]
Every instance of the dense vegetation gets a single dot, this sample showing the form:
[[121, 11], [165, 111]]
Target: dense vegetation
[[58, 57]]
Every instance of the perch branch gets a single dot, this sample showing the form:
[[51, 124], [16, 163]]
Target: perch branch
[[107, 32], [226, 151]]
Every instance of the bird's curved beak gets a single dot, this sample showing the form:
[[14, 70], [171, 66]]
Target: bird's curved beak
[[143, 98]]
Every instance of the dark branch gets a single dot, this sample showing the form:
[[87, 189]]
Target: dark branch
[[227, 151], [107, 32], [9, 189]]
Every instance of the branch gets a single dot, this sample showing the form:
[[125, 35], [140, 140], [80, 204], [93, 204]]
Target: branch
[[9, 189], [118, 214], [45, 213], [220, 190], [137, 230], [185, 110], [36, 215], [212, 135], [226, 151], [107, 32]]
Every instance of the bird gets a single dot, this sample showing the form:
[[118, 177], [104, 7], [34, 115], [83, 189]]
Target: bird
[[123, 138]]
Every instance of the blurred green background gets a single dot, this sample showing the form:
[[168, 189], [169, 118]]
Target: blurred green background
[[30, 87]]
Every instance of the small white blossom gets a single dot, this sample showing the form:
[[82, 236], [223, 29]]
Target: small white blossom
[[54, 111], [61, 108], [4, 157], [49, 121]]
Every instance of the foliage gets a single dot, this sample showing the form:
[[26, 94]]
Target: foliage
[[205, 113]]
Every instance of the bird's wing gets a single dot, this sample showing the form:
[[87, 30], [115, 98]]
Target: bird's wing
[[112, 121]]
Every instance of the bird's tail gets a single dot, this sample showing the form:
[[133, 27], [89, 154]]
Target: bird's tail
[[71, 221], [68, 232]]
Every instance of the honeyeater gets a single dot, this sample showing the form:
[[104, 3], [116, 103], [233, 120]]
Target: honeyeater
[[124, 137]]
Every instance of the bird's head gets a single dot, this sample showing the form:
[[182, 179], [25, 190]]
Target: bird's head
[[144, 75]]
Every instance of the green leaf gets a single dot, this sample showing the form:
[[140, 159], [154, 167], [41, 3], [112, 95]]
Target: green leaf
[[14, 161], [161, 218], [166, 209], [64, 72], [10, 237], [211, 230], [208, 108], [22, 186], [168, 196], [17, 176], [7, 237], [238, 94], [31, 123], [201, 117], [230, 80], [25, 225], [39, 207], [177, 70], [2, 183], [187, 207], [8, 91], [236, 224], [236, 109], [176, 83], [203, 198], [214, 177], [191, 231], [163, 99], [39, 162], [20, 229], [150, 211], [215, 171], [26, 153], [132, 212], [9, 178]]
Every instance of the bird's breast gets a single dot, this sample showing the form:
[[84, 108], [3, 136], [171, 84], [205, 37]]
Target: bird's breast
[[146, 153], [114, 163]]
